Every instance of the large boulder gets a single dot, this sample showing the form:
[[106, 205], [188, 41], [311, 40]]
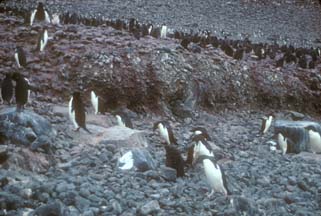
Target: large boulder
[[294, 130], [123, 137], [139, 159], [26, 128]]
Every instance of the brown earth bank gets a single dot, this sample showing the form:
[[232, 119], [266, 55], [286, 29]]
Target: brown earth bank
[[153, 74]]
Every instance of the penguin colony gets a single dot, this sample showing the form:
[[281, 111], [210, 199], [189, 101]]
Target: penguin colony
[[200, 150]]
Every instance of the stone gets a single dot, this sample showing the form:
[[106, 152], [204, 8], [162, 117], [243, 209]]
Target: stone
[[10, 201], [149, 207], [123, 137], [51, 209], [168, 173], [140, 159], [26, 128]]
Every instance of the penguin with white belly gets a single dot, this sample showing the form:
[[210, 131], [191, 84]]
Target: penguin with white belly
[[77, 112], [166, 132], [314, 144], [215, 175]]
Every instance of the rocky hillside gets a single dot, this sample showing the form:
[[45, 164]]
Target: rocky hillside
[[152, 79]]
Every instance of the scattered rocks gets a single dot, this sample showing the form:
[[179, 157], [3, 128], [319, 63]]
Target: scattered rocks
[[150, 207], [168, 173]]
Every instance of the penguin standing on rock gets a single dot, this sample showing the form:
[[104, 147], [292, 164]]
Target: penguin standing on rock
[[20, 57], [7, 89], [77, 112], [283, 143], [165, 131], [39, 14], [123, 119], [215, 175], [22, 90], [314, 139], [97, 103], [266, 123], [175, 160], [42, 40]]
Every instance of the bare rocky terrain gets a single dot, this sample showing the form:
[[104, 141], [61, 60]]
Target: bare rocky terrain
[[153, 79]]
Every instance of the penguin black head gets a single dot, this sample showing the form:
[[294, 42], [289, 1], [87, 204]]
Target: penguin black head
[[310, 127], [201, 138], [155, 126], [17, 76], [201, 130], [76, 94]]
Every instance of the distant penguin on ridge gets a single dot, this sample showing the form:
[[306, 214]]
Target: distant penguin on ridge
[[215, 176], [77, 112], [163, 32], [283, 143], [39, 14], [97, 103], [20, 57], [7, 88], [42, 40], [175, 160], [314, 140], [22, 90], [266, 123], [123, 119], [165, 131]]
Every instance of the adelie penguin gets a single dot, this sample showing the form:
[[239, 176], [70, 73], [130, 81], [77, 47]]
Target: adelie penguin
[[22, 90], [215, 176], [97, 103], [42, 40], [20, 57], [175, 160], [314, 144], [163, 31], [7, 89], [201, 147], [166, 132], [283, 143], [77, 112], [123, 119], [266, 123], [40, 14]]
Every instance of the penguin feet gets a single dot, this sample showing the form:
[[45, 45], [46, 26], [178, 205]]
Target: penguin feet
[[77, 129]]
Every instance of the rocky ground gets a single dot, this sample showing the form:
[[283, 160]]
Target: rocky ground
[[80, 175]]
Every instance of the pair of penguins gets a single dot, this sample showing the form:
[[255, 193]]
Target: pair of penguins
[[201, 151], [285, 143], [39, 14], [22, 89], [77, 111]]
